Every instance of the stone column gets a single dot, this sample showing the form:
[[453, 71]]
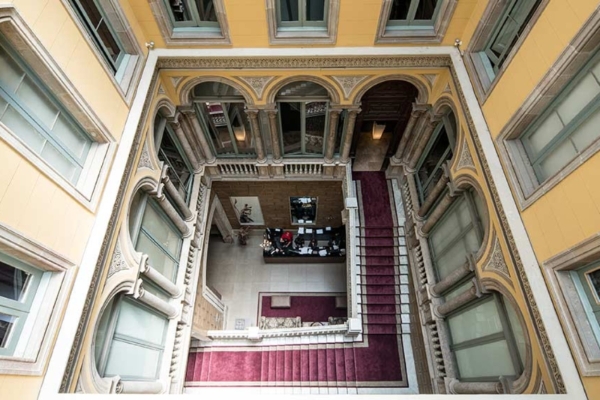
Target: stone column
[[442, 310], [160, 280], [458, 387], [139, 387], [334, 116], [195, 159], [155, 302], [422, 141], [274, 128], [437, 213], [258, 143], [192, 119], [417, 112], [174, 193], [345, 150]]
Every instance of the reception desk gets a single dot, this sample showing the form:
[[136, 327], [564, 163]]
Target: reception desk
[[328, 246]]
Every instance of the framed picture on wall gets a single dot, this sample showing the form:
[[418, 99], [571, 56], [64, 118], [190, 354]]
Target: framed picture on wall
[[247, 210], [303, 210]]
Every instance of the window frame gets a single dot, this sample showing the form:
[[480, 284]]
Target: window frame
[[196, 23], [431, 32], [303, 101], [33, 55], [410, 17], [312, 32], [130, 64]]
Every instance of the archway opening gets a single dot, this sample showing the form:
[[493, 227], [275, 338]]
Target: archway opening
[[386, 109]]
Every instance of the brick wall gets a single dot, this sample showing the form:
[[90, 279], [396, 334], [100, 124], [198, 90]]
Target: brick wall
[[274, 197]]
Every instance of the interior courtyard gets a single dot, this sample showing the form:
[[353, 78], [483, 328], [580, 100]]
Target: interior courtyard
[[299, 197]]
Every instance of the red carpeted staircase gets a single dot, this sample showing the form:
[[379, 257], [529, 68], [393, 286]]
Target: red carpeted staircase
[[375, 361]]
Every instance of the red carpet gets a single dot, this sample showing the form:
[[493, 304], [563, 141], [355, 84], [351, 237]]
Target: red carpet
[[308, 308], [375, 362]]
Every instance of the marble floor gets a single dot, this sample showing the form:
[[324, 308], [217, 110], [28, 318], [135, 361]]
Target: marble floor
[[239, 273]]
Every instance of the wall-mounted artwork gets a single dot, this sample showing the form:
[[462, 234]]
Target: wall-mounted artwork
[[247, 210]]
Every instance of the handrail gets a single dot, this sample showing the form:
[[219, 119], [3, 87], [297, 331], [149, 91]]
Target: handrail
[[275, 333]]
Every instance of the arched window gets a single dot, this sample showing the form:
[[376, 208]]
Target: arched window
[[130, 340], [439, 150], [220, 109], [303, 118], [171, 153], [457, 234], [153, 233], [487, 340]]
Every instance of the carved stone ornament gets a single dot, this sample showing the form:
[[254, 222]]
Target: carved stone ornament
[[161, 90], [175, 80], [447, 89], [348, 83], [496, 261], [118, 261], [437, 61], [257, 83], [430, 78], [145, 158], [465, 160]]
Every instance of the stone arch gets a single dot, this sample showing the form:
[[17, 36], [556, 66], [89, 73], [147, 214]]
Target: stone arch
[[185, 93], [422, 98], [333, 90]]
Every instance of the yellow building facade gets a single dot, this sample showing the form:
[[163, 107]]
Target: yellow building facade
[[97, 96]]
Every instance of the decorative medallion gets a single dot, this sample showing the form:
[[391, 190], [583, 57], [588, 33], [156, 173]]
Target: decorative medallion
[[466, 160], [257, 83], [349, 82], [175, 80], [430, 78], [118, 263], [145, 158]]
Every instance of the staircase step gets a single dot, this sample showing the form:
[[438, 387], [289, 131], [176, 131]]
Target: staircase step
[[386, 251], [379, 270], [330, 357], [280, 365], [379, 280], [296, 365], [264, 372], [380, 299], [349, 362], [379, 289], [382, 329], [322, 364], [381, 319], [288, 369], [204, 375], [313, 367], [272, 365], [340, 366], [381, 309], [304, 363]]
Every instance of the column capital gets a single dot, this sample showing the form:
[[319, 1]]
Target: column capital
[[189, 109]]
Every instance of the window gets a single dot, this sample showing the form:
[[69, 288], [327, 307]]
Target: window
[[153, 234], [414, 20], [413, 13], [587, 282], [122, 348], [303, 21], [457, 234], [487, 329], [438, 151], [568, 126], [193, 14], [299, 14], [170, 152], [37, 119], [303, 118], [220, 109], [19, 284], [502, 29]]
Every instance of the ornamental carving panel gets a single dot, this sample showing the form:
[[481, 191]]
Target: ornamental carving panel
[[118, 262], [496, 261], [465, 160], [145, 161], [348, 83], [257, 83], [430, 79]]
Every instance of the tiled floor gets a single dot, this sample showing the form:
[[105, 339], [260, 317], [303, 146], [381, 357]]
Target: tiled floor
[[239, 274]]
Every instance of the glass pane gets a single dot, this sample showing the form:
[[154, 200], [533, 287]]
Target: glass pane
[[425, 9], [587, 132], [477, 322], [11, 73], [108, 40], [594, 281], [180, 11], [7, 323], [440, 149], [291, 127], [216, 89], [582, 94], [3, 106], [517, 330], [13, 282], [92, 12], [161, 231], [505, 37], [101, 333], [70, 137], [316, 116], [131, 361], [23, 129], [399, 10], [452, 258], [178, 171], [218, 127], [454, 221], [133, 316], [340, 131], [556, 160], [242, 131], [157, 258], [459, 290], [551, 127], [60, 162], [302, 89], [488, 360], [315, 10], [289, 10], [206, 10], [37, 104]]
